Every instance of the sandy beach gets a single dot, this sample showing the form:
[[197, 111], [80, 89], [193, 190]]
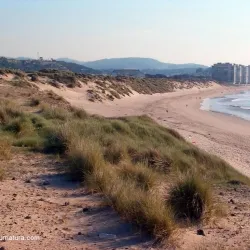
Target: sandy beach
[[54, 210], [220, 134]]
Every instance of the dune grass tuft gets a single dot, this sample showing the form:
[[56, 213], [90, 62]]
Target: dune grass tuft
[[5, 148], [34, 102], [84, 157], [190, 198]]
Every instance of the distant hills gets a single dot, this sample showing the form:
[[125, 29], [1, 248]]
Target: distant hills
[[146, 65], [103, 66], [137, 63], [28, 65]]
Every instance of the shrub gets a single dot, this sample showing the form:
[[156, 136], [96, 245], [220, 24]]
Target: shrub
[[39, 122], [8, 110], [53, 112], [21, 83], [153, 158], [143, 177], [34, 78], [189, 199], [5, 148], [121, 126], [79, 113], [2, 174], [114, 152], [115, 94], [143, 208], [20, 126], [84, 156], [34, 102], [34, 142], [55, 141]]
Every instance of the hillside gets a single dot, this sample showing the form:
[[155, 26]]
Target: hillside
[[98, 88], [105, 66], [138, 63], [36, 65]]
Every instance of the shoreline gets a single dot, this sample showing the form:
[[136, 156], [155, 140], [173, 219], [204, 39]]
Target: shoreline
[[210, 104], [220, 134], [225, 136]]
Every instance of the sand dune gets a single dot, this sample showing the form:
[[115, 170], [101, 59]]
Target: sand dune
[[223, 135]]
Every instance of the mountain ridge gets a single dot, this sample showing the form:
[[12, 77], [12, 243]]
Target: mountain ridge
[[140, 63], [36, 65]]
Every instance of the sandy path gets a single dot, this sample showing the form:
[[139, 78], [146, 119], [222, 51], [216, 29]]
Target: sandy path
[[38, 201]]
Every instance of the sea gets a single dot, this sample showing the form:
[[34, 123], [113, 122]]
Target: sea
[[233, 104]]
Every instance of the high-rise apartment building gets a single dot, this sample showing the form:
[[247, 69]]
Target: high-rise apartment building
[[231, 73]]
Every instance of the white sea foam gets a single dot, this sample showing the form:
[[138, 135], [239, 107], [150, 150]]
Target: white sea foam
[[205, 105], [242, 107], [235, 104]]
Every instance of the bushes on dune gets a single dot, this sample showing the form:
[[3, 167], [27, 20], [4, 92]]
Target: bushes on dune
[[5, 148], [132, 161], [52, 112], [34, 142], [143, 176], [34, 102], [84, 157], [133, 196], [8, 111], [20, 127], [190, 198]]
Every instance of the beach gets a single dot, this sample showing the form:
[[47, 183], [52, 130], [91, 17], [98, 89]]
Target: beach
[[220, 134], [223, 135]]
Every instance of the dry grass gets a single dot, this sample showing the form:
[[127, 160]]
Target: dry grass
[[8, 111], [34, 102], [5, 148], [129, 160], [142, 176], [67, 78], [53, 112], [144, 208], [190, 199]]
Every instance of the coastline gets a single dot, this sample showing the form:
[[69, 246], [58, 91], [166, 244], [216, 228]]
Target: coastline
[[217, 133], [220, 134], [225, 136]]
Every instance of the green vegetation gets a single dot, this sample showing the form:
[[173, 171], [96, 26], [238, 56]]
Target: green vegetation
[[190, 198], [148, 173], [5, 148], [66, 77]]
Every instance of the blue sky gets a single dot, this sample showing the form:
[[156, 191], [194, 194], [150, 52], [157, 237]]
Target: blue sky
[[176, 31]]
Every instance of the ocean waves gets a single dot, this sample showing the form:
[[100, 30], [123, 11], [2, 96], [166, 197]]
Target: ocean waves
[[235, 105]]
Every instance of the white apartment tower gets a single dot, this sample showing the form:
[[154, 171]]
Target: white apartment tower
[[248, 74], [236, 74], [242, 74], [231, 73]]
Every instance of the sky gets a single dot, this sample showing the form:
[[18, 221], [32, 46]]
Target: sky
[[174, 31]]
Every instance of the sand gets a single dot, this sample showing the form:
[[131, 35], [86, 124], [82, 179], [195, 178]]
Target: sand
[[223, 135], [54, 211], [220, 134]]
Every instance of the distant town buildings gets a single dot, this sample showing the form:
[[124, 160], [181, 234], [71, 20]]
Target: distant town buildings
[[231, 73]]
